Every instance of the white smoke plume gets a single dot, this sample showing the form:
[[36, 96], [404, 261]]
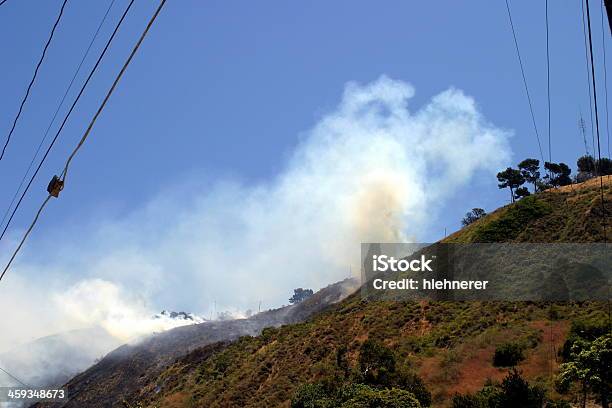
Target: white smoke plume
[[102, 303], [374, 169]]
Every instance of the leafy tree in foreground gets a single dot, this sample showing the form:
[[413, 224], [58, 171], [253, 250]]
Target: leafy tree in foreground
[[474, 215], [300, 295], [510, 178], [591, 368], [530, 170]]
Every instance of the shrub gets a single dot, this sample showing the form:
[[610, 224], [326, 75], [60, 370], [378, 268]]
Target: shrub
[[513, 392], [558, 404], [508, 355], [376, 363], [516, 392], [312, 396], [362, 396], [352, 396], [468, 401], [411, 382]]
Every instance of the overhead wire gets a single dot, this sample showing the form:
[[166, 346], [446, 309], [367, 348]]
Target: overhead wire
[[59, 106], [588, 72], [520, 60], [66, 117], [87, 131], [9, 374], [27, 94], [603, 208], [110, 92], [548, 83], [605, 70]]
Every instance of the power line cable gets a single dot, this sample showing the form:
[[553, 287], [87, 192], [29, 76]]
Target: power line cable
[[588, 71], [44, 138], [548, 83], [603, 46], [40, 61], [6, 372], [91, 73], [2, 2], [25, 236], [60, 181], [603, 207], [110, 92], [518, 53]]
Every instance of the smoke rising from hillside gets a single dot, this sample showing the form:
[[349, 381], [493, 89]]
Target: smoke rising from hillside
[[371, 170]]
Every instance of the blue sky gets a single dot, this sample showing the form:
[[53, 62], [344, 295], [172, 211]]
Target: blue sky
[[226, 89]]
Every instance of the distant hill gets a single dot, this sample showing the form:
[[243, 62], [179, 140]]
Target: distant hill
[[129, 368], [448, 344], [53, 360]]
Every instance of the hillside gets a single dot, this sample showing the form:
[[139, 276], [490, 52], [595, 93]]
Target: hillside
[[53, 360], [128, 368], [450, 345]]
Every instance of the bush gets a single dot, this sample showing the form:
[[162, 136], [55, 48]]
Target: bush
[[468, 401], [376, 383], [312, 396], [508, 355], [516, 392], [411, 382], [513, 392], [362, 396], [352, 396], [558, 404], [376, 363]]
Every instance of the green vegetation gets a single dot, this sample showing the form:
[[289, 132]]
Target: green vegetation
[[362, 351], [508, 225], [558, 174], [511, 179], [514, 391], [353, 396], [376, 382], [584, 331], [588, 167], [587, 355], [530, 170], [508, 355]]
